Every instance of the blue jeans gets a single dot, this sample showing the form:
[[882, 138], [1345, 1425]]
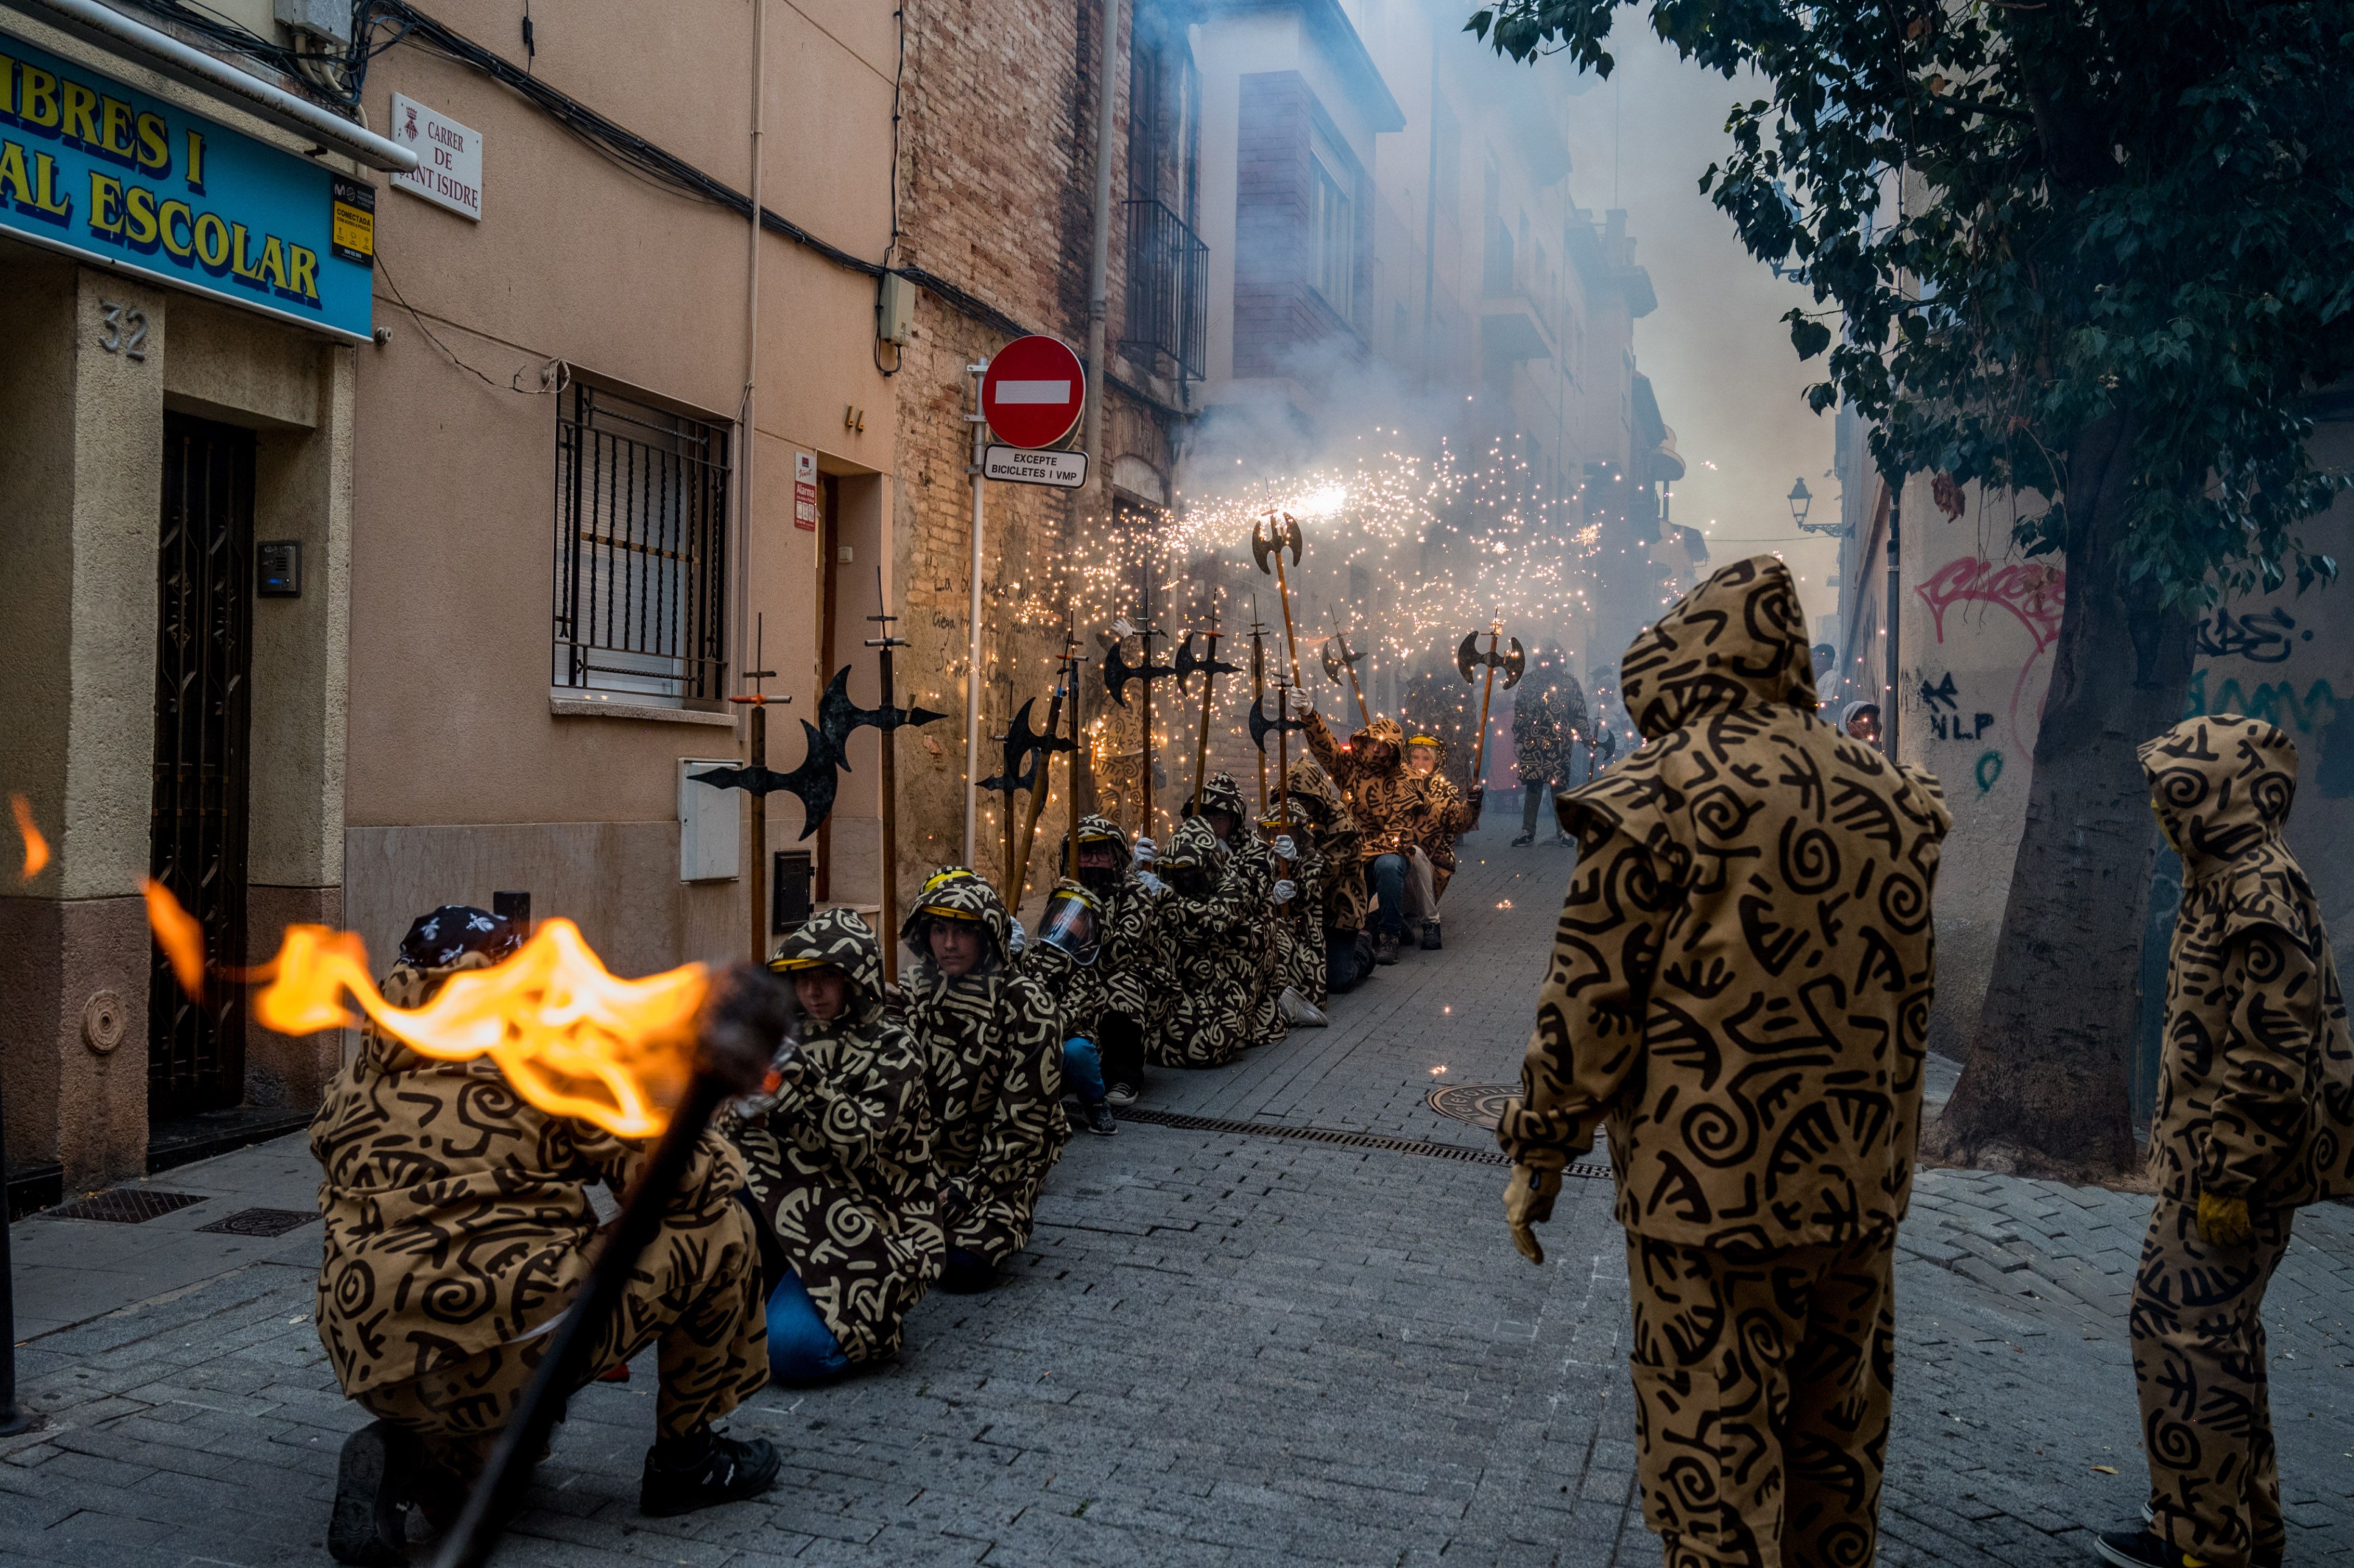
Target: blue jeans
[[802, 1348], [1388, 874], [1083, 1071]]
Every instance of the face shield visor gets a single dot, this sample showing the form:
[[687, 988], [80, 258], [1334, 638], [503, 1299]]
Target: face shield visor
[[1071, 922]]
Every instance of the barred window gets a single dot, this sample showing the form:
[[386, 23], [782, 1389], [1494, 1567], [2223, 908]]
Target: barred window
[[641, 550]]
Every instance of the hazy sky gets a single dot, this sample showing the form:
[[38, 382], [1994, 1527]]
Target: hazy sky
[[1717, 354]]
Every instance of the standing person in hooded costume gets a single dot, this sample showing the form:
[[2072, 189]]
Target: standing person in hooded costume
[[458, 1231], [839, 1164], [2255, 1119], [1251, 862], [1386, 799], [995, 1054], [1739, 991], [1063, 958], [1447, 813], [1347, 954], [1548, 723], [1131, 964], [1214, 924]]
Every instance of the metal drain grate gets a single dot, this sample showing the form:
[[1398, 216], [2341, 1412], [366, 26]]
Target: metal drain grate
[[1339, 1135], [261, 1221], [123, 1206]]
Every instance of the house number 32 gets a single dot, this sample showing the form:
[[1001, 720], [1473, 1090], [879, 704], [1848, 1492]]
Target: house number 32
[[125, 331]]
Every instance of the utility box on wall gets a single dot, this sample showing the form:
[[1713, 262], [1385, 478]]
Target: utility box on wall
[[710, 822]]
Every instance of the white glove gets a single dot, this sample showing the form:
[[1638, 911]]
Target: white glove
[[1021, 938], [1286, 890], [1143, 856], [1152, 885], [1284, 848]]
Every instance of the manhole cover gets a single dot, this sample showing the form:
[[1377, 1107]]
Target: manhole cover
[[261, 1221], [1481, 1104], [123, 1206]]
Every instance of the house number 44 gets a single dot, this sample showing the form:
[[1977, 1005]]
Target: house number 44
[[123, 330]]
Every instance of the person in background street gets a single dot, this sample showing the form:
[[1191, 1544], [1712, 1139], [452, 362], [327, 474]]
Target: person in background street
[[995, 1056], [1131, 964], [1444, 816], [1063, 957], [458, 1229], [1548, 723], [1861, 721], [2255, 1119], [1215, 922], [1348, 953], [1252, 863], [1740, 983], [838, 1160], [1298, 919], [1386, 799]]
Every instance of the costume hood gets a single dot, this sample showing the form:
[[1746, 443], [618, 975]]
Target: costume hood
[[2221, 786], [840, 939], [960, 891], [1737, 641], [1192, 846], [1221, 793], [1312, 789], [1092, 829]]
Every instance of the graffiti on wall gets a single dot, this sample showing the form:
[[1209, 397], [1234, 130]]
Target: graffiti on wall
[[2031, 590], [2259, 639]]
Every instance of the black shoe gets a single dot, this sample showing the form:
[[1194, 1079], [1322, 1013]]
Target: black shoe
[[1119, 1097], [728, 1471], [1099, 1119], [1385, 949], [1430, 942], [1524, 840], [2140, 1549], [370, 1524]]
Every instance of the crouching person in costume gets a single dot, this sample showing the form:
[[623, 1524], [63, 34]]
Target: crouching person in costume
[[840, 1163], [2255, 1119], [1251, 864], [1445, 814], [1386, 799], [1063, 958], [991, 1045], [1131, 967], [459, 1229], [1740, 983], [1346, 950], [1214, 923], [1300, 894]]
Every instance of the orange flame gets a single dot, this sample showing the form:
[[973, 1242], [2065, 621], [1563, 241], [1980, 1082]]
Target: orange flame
[[37, 848], [178, 933], [573, 1038]]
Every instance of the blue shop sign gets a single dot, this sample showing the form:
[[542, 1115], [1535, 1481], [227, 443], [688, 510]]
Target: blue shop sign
[[100, 169]]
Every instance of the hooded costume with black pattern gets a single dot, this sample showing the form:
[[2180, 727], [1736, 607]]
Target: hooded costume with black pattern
[[839, 1165], [1740, 988], [1132, 965], [1250, 955], [1213, 918], [995, 1056], [458, 1229], [2255, 1106]]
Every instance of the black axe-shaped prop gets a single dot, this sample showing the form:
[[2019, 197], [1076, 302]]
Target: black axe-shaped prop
[[1208, 665], [1024, 749], [1261, 726], [814, 782], [838, 717], [1280, 532], [1469, 658], [1118, 672], [1338, 661]]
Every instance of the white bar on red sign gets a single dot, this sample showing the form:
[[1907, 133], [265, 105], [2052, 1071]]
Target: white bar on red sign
[[1050, 393]]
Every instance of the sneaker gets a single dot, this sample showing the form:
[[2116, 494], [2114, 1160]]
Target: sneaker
[[1385, 949], [1524, 840], [2258, 1557], [2140, 1549], [1430, 942], [728, 1471], [1119, 1097], [1299, 1011], [370, 1523], [1099, 1119]]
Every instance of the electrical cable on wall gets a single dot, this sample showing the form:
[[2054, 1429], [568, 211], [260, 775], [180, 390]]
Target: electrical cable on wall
[[554, 374]]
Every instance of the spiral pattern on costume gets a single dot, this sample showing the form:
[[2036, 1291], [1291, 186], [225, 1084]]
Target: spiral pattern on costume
[[1721, 1135], [1809, 860]]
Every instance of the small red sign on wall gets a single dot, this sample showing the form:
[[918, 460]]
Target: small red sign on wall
[[805, 490]]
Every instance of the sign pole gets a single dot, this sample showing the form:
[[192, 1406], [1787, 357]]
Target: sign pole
[[972, 651]]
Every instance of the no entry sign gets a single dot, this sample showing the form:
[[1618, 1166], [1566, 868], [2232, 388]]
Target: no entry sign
[[1033, 392]]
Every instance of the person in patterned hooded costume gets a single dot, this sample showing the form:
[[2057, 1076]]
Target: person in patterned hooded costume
[[1739, 991], [1133, 963], [994, 1050], [838, 1160], [1063, 958], [2255, 1119], [1548, 722], [1251, 862], [1339, 892], [1214, 920], [1445, 814], [1388, 801], [457, 1230]]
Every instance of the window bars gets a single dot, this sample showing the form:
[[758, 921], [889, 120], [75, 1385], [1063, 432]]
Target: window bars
[[1168, 292], [641, 550]]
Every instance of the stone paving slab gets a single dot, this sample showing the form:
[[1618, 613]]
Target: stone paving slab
[[1221, 1350]]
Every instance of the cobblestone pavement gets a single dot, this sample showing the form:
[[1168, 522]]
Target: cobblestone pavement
[[1224, 1347]]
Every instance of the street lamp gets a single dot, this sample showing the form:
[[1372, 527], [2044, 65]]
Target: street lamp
[[1802, 500]]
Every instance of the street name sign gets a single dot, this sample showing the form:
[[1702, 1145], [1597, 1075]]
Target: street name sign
[[448, 170], [1033, 392], [1027, 465]]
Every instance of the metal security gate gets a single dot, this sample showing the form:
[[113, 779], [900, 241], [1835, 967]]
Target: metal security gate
[[196, 1053]]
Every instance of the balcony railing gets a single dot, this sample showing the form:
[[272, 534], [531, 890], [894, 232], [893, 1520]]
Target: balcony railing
[[1168, 292]]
